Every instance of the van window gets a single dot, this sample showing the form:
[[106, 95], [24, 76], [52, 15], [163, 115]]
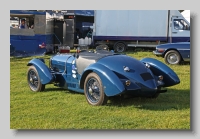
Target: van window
[[15, 21], [180, 24]]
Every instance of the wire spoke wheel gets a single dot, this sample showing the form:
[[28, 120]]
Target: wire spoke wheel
[[93, 90], [33, 80]]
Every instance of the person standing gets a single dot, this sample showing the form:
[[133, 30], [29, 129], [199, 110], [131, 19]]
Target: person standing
[[23, 24]]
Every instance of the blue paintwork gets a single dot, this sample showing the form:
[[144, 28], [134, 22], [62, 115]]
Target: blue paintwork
[[136, 68], [182, 47], [112, 84], [43, 71], [29, 44], [180, 39], [141, 38], [59, 61], [27, 12], [158, 68], [110, 69], [64, 77]]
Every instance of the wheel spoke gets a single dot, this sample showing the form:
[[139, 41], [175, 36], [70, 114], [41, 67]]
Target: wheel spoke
[[120, 47], [33, 79], [35, 83], [95, 96]]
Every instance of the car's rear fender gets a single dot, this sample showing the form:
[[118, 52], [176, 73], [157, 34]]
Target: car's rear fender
[[43, 71], [170, 78], [111, 83]]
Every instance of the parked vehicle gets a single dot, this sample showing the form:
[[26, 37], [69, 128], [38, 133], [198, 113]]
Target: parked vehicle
[[48, 31], [121, 29], [98, 76], [37, 38], [174, 53]]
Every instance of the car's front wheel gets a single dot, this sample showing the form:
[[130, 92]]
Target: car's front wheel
[[93, 90], [172, 57], [34, 80]]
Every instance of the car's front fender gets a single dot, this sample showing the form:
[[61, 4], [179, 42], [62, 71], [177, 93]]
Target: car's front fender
[[170, 78], [43, 71], [111, 83]]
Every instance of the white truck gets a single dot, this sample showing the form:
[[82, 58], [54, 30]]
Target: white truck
[[121, 29]]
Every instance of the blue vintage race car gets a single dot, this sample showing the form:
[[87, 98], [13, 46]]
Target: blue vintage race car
[[102, 74], [174, 53]]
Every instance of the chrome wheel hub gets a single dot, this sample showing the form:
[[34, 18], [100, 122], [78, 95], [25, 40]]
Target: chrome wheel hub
[[93, 91], [90, 90], [31, 79], [172, 59]]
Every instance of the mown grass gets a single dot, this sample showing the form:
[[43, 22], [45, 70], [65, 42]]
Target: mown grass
[[56, 108]]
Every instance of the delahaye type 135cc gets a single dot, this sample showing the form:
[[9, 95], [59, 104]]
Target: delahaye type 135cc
[[102, 74]]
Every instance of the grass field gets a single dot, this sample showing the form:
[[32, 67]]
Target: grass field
[[56, 108]]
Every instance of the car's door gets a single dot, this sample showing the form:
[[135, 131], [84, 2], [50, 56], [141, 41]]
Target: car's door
[[184, 50]]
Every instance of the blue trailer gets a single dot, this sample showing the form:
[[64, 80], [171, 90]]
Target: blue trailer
[[36, 38]]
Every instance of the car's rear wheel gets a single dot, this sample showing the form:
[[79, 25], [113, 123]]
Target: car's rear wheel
[[172, 57], [34, 80], [93, 90]]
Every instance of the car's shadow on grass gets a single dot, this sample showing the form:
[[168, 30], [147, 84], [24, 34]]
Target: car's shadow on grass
[[59, 90], [173, 99], [185, 63], [55, 89]]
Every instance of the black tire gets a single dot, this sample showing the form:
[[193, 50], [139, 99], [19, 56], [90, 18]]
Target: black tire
[[33, 80], [120, 47], [94, 91], [172, 57]]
